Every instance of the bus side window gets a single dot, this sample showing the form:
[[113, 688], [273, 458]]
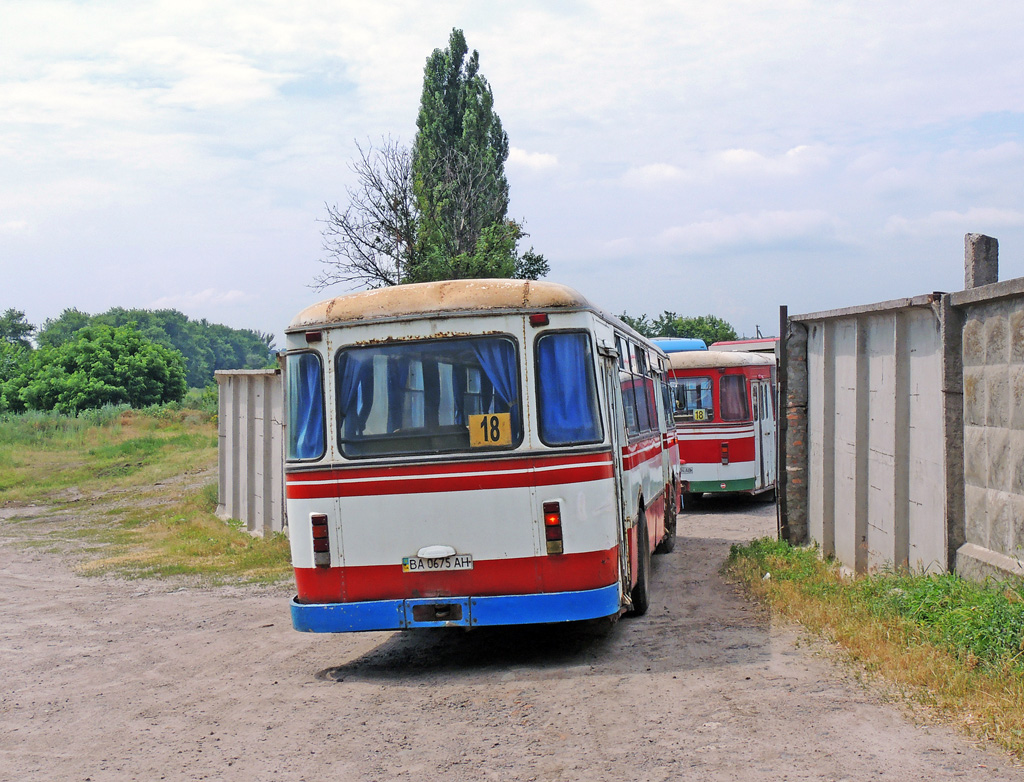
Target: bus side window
[[732, 395], [306, 438], [567, 390], [626, 383], [755, 391], [668, 400]]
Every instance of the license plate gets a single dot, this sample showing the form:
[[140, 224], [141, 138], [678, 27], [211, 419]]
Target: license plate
[[437, 564]]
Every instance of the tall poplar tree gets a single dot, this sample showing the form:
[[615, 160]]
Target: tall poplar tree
[[459, 181], [440, 210]]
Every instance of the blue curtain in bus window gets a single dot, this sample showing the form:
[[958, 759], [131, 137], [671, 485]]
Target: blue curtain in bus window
[[497, 358], [305, 407], [567, 402], [355, 392]]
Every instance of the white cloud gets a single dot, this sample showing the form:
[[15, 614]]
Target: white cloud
[[193, 134], [532, 161], [13, 226], [793, 162], [653, 175], [201, 299], [973, 220], [761, 229]]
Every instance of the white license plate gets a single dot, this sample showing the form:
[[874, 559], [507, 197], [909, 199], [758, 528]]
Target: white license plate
[[437, 564]]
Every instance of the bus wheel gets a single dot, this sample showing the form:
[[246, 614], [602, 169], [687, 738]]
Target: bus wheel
[[641, 594], [691, 498], [669, 541]]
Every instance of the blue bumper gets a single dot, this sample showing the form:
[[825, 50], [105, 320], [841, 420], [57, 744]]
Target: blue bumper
[[455, 611]]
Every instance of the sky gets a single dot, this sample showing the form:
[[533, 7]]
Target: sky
[[716, 158]]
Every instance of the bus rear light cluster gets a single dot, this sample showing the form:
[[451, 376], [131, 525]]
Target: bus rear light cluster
[[553, 527], [725, 453], [321, 540]]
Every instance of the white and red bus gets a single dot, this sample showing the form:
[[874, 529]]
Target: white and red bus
[[725, 421], [471, 453]]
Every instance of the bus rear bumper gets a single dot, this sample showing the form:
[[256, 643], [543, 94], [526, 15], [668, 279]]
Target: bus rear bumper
[[455, 611]]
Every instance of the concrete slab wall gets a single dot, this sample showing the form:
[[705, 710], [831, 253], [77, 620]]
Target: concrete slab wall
[[876, 478], [915, 432], [251, 449]]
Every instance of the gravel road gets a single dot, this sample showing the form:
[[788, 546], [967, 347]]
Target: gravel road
[[114, 680]]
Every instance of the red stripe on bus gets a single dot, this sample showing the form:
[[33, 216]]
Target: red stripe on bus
[[640, 452], [424, 485], [449, 467], [441, 478], [520, 576], [741, 449]]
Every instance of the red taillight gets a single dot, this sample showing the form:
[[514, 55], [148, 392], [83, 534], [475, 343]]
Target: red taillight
[[553, 527], [725, 453], [538, 319], [321, 540]]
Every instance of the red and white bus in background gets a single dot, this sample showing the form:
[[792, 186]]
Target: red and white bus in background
[[470, 453], [725, 421]]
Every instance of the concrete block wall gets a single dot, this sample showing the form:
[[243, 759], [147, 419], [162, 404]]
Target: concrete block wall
[[993, 415], [251, 449]]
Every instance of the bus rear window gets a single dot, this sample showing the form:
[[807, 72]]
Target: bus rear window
[[305, 406], [735, 405], [428, 396], [693, 399], [567, 390]]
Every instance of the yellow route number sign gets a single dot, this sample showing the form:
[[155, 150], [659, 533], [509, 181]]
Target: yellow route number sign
[[700, 414], [490, 429]]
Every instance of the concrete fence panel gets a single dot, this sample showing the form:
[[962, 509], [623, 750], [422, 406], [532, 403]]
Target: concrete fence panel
[[875, 468], [251, 449]]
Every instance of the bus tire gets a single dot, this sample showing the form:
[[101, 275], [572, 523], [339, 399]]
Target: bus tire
[[641, 594], [671, 514], [691, 498]]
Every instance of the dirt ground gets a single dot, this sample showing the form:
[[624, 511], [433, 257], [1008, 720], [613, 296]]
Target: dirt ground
[[113, 680]]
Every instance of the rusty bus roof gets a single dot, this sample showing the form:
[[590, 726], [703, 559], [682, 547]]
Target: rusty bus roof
[[699, 359], [449, 297]]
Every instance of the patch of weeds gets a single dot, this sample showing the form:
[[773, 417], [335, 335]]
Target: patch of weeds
[[958, 646]]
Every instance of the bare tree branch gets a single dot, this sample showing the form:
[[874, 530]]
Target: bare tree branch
[[372, 241]]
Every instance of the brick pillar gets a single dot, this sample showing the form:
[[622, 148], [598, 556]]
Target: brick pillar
[[794, 526]]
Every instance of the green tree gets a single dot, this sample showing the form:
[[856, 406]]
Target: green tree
[[459, 182], [57, 331], [641, 325], [438, 211], [15, 330], [706, 327], [206, 347], [13, 359], [709, 328], [100, 365]]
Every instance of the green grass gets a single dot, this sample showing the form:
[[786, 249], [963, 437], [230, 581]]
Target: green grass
[[123, 492], [952, 644]]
